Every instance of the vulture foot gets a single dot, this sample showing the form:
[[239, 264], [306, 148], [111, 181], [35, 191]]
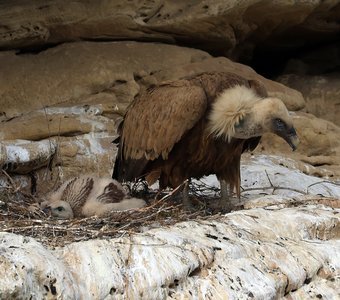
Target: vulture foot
[[226, 197]]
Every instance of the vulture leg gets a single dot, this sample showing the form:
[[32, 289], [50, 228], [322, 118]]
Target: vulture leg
[[226, 195], [185, 195]]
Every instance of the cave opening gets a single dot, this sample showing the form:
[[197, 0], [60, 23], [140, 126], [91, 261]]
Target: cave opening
[[316, 59]]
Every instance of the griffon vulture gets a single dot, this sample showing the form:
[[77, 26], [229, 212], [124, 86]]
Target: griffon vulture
[[87, 196], [198, 126]]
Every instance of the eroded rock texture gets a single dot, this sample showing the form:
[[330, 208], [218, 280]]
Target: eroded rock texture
[[262, 253], [224, 26]]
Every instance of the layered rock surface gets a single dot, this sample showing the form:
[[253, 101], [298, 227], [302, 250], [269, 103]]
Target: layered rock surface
[[258, 253], [284, 244], [226, 26]]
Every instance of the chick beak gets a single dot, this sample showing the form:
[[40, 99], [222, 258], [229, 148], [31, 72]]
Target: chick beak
[[47, 210], [292, 139]]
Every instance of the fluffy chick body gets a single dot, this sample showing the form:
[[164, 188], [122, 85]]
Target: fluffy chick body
[[87, 196]]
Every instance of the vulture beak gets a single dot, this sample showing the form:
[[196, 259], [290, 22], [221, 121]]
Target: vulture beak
[[291, 138]]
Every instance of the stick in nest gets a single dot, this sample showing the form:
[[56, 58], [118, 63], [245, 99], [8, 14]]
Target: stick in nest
[[13, 185]]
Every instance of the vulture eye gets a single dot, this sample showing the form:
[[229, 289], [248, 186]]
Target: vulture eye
[[60, 208], [279, 124]]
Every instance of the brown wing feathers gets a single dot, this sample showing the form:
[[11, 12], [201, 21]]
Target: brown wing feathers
[[155, 123], [159, 119]]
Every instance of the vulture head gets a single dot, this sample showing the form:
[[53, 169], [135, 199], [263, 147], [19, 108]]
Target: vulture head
[[59, 209], [240, 113], [272, 116]]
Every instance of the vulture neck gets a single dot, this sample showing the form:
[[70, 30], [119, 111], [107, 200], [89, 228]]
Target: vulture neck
[[234, 114], [248, 127]]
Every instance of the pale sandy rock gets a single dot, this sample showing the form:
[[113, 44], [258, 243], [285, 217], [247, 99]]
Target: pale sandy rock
[[259, 253], [321, 92], [78, 140], [88, 154], [29, 271], [320, 289], [71, 72], [111, 73], [22, 156], [55, 122], [273, 175], [278, 246], [233, 26], [92, 154], [279, 175]]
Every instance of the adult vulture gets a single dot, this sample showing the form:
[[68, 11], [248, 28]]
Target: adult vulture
[[198, 126]]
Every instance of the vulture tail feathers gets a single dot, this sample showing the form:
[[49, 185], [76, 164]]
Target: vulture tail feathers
[[129, 169]]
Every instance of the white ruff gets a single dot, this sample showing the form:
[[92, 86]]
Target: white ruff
[[229, 109]]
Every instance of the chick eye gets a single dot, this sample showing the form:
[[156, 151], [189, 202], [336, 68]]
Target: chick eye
[[60, 208]]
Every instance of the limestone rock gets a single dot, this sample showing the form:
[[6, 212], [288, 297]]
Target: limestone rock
[[57, 143], [73, 72], [233, 26], [56, 122], [113, 73], [21, 256], [276, 175], [23, 156], [273, 174], [321, 92], [261, 253]]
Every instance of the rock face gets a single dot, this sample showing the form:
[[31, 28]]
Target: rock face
[[321, 92], [107, 73], [215, 25], [260, 253], [72, 73]]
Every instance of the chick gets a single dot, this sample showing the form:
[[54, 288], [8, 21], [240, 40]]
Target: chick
[[86, 196]]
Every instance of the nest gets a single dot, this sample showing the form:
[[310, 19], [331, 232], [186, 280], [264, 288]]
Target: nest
[[20, 214]]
